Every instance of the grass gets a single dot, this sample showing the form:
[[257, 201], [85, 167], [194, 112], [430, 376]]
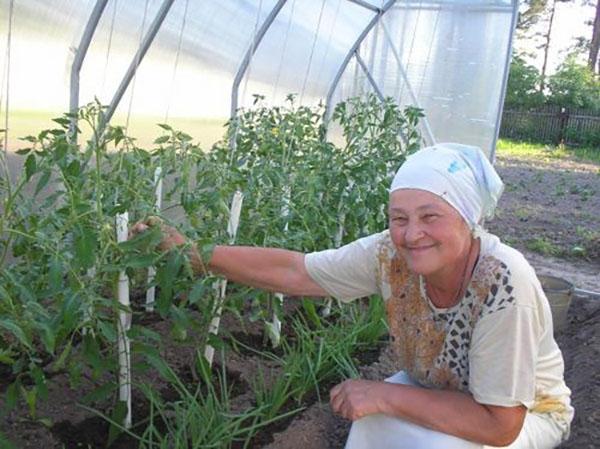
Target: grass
[[539, 150], [543, 246]]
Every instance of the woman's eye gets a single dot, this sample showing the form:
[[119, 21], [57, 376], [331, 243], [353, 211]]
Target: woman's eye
[[429, 217], [399, 220]]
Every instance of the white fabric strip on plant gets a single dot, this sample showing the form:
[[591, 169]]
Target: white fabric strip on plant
[[124, 324], [221, 286], [151, 292], [274, 326]]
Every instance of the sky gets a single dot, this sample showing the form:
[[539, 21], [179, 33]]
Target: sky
[[569, 23]]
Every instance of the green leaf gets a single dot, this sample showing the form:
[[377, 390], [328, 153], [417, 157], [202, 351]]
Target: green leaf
[[47, 336], [165, 278], [74, 168], [40, 382], [85, 245], [102, 393], [118, 416], [30, 166], [143, 240], [69, 312], [153, 357], [142, 331], [5, 357], [23, 151], [55, 275], [30, 397], [5, 443], [43, 181], [140, 261], [165, 126], [62, 121], [162, 139], [197, 292], [91, 353], [60, 361], [108, 331], [12, 395], [16, 330], [311, 312]]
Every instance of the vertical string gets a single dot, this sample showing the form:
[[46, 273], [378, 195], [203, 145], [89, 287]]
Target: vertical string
[[284, 50], [109, 46], [137, 62], [251, 61], [6, 84], [312, 50], [412, 43], [435, 25], [335, 17], [177, 53]]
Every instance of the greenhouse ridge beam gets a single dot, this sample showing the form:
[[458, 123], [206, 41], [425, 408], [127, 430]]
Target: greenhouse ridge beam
[[137, 59], [248, 56], [505, 79], [351, 52], [414, 99], [366, 5], [80, 53]]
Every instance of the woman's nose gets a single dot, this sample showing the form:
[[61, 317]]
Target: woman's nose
[[413, 232]]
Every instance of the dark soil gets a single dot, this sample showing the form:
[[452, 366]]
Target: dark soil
[[549, 211]]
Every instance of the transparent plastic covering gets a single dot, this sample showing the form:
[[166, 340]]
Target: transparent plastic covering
[[210, 57]]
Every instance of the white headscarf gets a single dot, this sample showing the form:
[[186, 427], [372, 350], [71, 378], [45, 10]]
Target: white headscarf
[[460, 174]]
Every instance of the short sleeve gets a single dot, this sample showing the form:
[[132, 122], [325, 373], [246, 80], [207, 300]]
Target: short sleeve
[[502, 358], [348, 272]]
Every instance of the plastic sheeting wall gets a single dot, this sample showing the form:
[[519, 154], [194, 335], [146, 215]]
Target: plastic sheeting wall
[[454, 55]]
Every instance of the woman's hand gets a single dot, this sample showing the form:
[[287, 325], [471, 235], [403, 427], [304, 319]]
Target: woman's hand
[[356, 398], [170, 236]]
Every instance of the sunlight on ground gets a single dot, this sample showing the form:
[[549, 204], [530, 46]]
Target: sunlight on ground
[[536, 150]]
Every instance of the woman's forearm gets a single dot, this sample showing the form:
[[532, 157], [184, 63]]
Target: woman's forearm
[[272, 269], [453, 413]]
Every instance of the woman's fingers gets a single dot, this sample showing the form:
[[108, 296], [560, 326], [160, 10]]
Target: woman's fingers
[[136, 229]]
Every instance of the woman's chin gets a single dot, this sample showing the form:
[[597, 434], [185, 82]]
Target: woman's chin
[[421, 267]]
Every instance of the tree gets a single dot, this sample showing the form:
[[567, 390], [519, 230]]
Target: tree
[[546, 45], [574, 85], [595, 43], [530, 14], [522, 88]]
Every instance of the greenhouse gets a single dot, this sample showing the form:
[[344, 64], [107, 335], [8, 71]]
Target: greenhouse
[[151, 149], [449, 58]]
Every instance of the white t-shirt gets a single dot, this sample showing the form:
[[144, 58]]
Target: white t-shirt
[[497, 343]]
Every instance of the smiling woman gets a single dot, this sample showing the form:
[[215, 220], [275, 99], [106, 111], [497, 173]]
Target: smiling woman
[[470, 326]]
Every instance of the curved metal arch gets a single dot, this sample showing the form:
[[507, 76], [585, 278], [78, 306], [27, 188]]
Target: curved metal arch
[[137, 59], [351, 53], [80, 52], [250, 52]]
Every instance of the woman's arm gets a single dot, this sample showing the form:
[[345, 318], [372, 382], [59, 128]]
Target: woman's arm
[[451, 412], [273, 269]]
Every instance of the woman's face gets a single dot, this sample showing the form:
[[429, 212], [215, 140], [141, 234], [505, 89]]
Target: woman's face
[[429, 233]]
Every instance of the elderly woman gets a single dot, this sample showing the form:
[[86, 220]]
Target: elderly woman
[[470, 326]]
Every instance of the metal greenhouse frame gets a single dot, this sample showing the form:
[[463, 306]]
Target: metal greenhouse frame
[[255, 42]]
